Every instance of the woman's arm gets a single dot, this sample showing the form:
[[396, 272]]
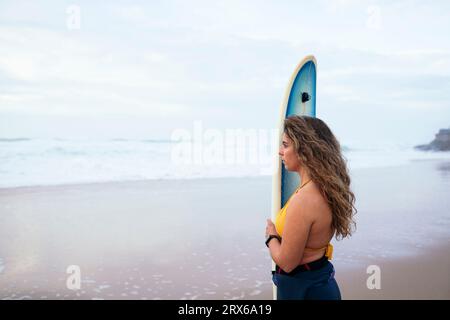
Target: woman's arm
[[299, 218]]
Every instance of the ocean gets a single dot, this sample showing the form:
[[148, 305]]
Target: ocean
[[35, 162]]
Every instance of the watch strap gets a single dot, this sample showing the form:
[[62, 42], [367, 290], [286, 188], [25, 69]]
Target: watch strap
[[272, 236]]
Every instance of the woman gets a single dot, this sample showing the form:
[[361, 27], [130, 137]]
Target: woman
[[320, 208]]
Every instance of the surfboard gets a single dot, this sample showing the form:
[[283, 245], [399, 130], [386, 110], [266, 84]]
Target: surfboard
[[299, 99]]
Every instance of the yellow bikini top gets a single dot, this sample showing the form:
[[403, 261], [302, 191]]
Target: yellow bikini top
[[279, 226]]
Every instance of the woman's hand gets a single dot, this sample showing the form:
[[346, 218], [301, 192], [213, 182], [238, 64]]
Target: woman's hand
[[270, 228]]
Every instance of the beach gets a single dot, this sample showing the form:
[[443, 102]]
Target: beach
[[204, 238]]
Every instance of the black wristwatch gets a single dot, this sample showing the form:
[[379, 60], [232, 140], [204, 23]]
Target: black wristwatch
[[270, 237]]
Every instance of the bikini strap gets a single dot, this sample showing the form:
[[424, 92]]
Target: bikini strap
[[328, 251]]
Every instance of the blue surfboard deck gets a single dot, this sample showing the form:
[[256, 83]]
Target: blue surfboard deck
[[304, 82]]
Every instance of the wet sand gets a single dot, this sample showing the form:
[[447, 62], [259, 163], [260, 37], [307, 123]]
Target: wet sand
[[204, 239], [425, 276]]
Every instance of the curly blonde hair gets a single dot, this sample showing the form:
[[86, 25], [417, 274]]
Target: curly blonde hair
[[320, 152]]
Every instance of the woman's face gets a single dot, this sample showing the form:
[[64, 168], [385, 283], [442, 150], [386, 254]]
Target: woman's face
[[288, 154]]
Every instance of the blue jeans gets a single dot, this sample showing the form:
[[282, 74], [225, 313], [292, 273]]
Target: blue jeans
[[308, 285]]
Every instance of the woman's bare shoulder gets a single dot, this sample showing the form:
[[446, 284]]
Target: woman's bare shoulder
[[309, 202]]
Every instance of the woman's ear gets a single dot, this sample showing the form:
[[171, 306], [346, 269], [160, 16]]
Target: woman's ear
[[301, 159]]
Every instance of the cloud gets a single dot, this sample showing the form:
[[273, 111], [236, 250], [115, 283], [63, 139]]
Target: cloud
[[226, 62]]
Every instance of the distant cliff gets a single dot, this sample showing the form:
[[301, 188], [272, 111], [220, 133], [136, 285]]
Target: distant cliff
[[440, 143]]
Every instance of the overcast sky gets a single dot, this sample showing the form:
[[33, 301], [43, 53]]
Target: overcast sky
[[142, 70]]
